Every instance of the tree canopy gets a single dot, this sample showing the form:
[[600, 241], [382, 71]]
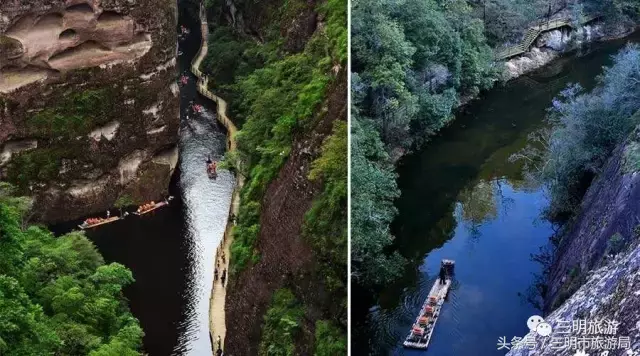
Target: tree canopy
[[57, 295], [413, 61]]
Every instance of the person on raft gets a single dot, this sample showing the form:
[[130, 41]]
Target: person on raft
[[443, 275], [211, 166]]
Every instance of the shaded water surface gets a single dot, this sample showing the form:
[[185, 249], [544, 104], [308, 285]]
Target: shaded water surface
[[462, 199], [171, 250]]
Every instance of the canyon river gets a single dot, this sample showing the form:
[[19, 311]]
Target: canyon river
[[171, 250], [462, 199]]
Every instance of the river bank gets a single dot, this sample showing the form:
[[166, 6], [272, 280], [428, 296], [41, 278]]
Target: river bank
[[463, 199]]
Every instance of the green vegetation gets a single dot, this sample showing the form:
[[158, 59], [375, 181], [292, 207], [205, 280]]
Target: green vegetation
[[276, 90], [373, 190], [123, 201], [56, 294], [586, 127], [615, 244], [234, 56], [277, 99], [76, 114], [56, 128], [412, 63], [632, 157], [330, 340], [505, 20], [277, 94], [575, 279], [281, 325], [36, 165], [326, 222]]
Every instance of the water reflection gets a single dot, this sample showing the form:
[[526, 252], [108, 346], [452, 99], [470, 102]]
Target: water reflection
[[495, 229], [463, 199], [478, 203]]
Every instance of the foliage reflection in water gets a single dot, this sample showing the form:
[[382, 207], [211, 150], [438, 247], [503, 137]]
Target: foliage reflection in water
[[463, 199]]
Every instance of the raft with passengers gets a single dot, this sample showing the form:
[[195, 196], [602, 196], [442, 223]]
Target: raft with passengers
[[93, 222], [422, 330], [142, 209], [151, 206]]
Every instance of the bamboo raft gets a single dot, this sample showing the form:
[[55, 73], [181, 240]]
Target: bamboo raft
[[85, 226], [156, 206], [422, 330]]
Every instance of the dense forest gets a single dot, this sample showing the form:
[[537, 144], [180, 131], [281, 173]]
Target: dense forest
[[57, 295], [413, 64], [275, 86]]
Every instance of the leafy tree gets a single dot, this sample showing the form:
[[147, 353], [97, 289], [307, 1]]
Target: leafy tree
[[56, 294], [326, 221], [276, 93], [373, 189], [507, 20], [412, 63], [24, 329], [123, 201]]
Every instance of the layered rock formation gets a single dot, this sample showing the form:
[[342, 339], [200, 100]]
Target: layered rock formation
[[89, 109]]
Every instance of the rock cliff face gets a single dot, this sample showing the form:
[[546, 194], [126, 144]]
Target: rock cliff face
[[89, 108], [550, 45], [595, 273]]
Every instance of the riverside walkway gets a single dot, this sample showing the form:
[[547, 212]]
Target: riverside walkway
[[203, 84], [217, 325], [534, 32]]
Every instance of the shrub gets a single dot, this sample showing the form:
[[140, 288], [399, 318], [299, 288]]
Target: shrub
[[330, 340], [281, 325], [75, 115], [615, 244], [585, 129]]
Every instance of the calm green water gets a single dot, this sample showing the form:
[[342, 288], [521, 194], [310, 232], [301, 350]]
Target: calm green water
[[462, 199]]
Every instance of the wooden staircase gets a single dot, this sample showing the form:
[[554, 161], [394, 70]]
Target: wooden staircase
[[533, 33]]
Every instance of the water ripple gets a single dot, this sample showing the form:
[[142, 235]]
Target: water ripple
[[207, 203]]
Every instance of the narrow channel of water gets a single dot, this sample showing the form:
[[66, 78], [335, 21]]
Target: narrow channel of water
[[462, 199], [206, 201], [171, 251]]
